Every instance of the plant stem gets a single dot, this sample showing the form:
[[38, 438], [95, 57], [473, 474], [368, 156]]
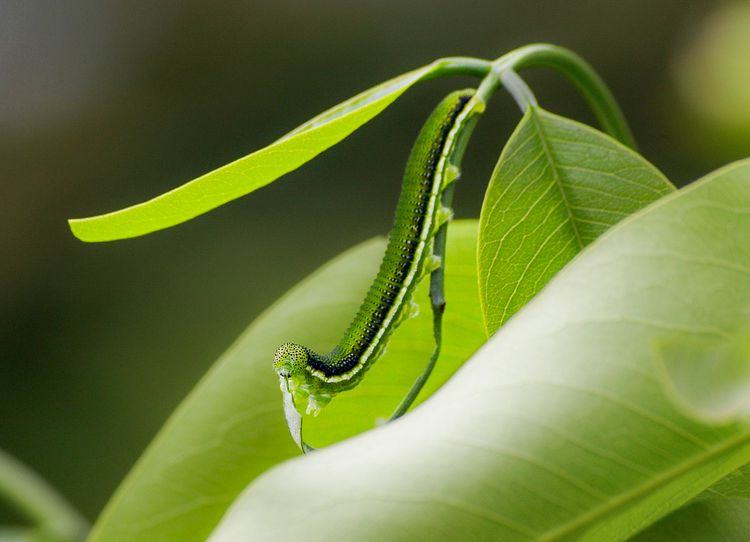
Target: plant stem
[[566, 62], [581, 75], [460, 65], [518, 88], [28, 493], [437, 302], [437, 292]]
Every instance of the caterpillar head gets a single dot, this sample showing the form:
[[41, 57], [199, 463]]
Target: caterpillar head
[[290, 360], [291, 364]]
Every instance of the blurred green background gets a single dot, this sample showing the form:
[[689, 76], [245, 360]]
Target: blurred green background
[[104, 104]]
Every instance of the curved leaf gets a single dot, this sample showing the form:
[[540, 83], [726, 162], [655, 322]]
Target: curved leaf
[[250, 172], [558, 429], [557, 186], [231, 428]]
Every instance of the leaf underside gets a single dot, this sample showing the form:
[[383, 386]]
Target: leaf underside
[[559, 427]]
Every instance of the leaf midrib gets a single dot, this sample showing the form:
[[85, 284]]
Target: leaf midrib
[[533, 114]]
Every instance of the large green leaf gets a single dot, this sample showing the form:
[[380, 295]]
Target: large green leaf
[[558, 428], [250, 172], [557, 186], [231, 428]]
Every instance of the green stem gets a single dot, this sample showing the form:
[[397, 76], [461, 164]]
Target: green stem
[[581, 75], [28, 493], [437, 301], [518, 88], [570, 65], [459, 65], [437, 277]]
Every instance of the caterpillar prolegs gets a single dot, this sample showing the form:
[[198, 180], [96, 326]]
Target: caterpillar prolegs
[[312, 379]]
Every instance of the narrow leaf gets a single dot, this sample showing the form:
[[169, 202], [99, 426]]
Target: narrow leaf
[[558, 428], [557, 186], [249, 173], [231, 428]]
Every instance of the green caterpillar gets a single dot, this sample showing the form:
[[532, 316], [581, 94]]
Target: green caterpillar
[[315, 378]]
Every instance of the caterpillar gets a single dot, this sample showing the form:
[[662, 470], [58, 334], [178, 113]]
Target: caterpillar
[[315, 378]]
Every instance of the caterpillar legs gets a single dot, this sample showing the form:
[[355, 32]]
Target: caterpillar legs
[[437, 301]]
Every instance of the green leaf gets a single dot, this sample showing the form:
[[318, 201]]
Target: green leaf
[[251, 172], [708, 377], [557, 186], [558, 428], [231, 428], [725, 520]]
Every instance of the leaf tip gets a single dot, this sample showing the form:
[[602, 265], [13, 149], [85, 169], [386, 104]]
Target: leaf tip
[[82, 229], [75, 228]]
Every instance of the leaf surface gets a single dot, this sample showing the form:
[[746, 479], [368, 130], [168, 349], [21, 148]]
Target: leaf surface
[[557, 186], [559, 427]]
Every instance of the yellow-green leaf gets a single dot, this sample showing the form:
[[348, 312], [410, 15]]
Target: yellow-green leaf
[[249, 172]]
